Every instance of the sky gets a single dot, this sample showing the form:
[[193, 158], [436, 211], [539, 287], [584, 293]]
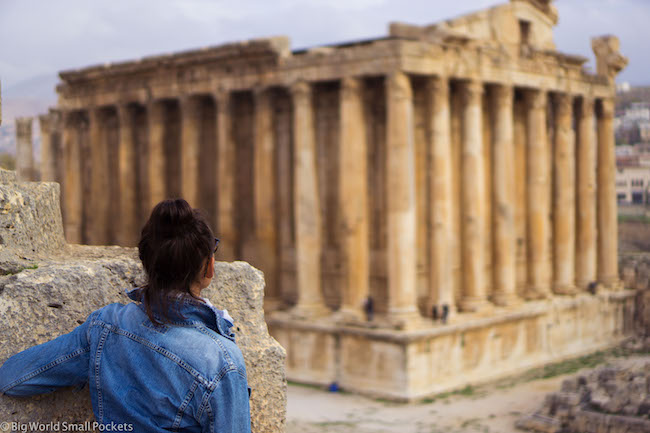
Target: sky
[[42, 37]]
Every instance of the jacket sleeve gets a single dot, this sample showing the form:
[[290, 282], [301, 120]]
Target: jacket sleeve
[[228, 409], [44, 368]]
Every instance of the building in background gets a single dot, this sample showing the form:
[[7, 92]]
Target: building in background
[[430, 208]]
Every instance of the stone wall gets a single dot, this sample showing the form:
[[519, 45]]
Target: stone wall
[[635, 273], [47, 288]]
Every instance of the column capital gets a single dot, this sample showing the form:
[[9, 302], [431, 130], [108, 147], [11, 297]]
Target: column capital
[[471, 91], [563, 103], [586, 103], [222, 99], [504, 94], [350, 86], [300, 89], [24, 125], [95, 111], [537, 98], [123, 112], [399, 85], [607, 106], [438, 85], [46, 122], [260, 90], [189, 104]]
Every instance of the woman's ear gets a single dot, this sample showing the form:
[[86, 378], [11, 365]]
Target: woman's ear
[[210, 271]]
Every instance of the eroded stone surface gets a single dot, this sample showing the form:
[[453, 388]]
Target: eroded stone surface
[[37, 305], [239, 288], [30, 222], [51, 296], [612, 398]]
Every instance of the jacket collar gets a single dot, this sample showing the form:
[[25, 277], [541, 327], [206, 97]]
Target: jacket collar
[[191, 311]]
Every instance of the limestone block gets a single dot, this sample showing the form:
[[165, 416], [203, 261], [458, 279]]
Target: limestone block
[[609, 399], [239, 288], [30, 222], [50, 288], [37, 305]]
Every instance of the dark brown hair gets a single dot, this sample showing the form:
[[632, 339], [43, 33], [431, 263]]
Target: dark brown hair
[[174, 244]]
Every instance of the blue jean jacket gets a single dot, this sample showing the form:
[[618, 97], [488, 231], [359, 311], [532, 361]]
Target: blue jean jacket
[[186, 376]]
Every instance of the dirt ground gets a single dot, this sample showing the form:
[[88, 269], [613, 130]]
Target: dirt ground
[[312, 410], [489, 409]]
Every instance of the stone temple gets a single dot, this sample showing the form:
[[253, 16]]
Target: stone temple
[[431, 208]]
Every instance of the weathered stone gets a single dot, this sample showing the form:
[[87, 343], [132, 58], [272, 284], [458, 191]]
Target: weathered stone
[[38, 304], [613, 398], [239, 288], [30, 222]]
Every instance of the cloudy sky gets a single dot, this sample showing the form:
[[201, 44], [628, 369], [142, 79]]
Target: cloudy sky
[[41, 37]]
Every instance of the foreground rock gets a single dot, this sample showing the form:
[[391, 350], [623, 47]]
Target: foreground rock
[[30, 222], [610, 399], [46, 297]]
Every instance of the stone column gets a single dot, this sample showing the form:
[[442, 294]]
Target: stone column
[[538, 196], [227, 228], [24, 150], [586, 214], [306, 205], [127, 167], [99, 199], [353, 196], [72, 196], [190, 149], [607, 207], [505, 282], [441, 290], [265, 190], [49, 124], [400, 205], [564, 191], [474, 297], [156, 153]]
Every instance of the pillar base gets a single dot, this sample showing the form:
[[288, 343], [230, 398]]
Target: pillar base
[[349, 316], [309, 311], [402, 319], [566, 290], [506, 299], [612, 283], [272, 304], [474, 305], [583, 286], [536, 293], [451, 312]]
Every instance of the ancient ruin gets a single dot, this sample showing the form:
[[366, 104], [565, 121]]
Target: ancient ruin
[[430, 208]]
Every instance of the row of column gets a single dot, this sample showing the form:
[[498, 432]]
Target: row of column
[[583, 225], [576, 248]]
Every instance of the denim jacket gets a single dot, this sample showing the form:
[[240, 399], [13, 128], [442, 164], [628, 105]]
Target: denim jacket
[[185, 376]]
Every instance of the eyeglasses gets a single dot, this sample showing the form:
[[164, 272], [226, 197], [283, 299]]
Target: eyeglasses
[[216, 245]]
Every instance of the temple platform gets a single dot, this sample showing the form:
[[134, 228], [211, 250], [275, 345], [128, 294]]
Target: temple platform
[[471, 349]]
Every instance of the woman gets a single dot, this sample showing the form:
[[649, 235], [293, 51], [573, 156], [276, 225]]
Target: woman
[[168, 363]]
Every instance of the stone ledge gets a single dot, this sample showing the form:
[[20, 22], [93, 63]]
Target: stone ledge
[[461, 323]]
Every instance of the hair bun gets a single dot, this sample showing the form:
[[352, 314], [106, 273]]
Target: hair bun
[[172, 217]]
